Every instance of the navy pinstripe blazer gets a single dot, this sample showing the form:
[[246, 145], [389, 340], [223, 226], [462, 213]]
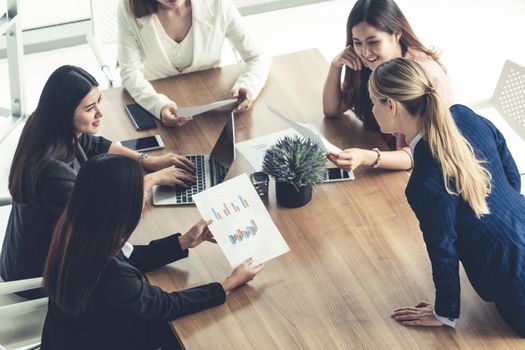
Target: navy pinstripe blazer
[[491, 248]]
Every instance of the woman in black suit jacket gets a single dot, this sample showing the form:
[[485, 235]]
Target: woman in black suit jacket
[[57, 139], [98, 298], [464, 190]]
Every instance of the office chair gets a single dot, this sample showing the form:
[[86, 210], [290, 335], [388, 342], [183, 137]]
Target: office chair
[[5, 200], [103, 37], [509, 101], [22, 320], [509, 96], [7, 151], [506, 109]]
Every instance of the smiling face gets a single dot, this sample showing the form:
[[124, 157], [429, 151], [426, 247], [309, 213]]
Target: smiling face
[[88, 114], [374, 46]]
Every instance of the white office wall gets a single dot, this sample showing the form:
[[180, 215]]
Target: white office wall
[[38, 13]]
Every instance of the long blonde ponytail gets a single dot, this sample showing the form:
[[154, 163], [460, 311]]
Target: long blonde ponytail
[[406, 82]]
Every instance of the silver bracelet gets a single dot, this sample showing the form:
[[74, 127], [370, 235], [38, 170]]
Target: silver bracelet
[[141, 158], [378, 159]]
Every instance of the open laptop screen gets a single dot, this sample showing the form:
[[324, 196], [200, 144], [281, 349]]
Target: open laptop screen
[[224, 149]]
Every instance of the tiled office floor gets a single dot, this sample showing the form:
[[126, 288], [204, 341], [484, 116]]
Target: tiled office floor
[[474, 36]]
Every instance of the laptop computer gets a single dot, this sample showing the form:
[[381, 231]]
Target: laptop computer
[[211, 169]]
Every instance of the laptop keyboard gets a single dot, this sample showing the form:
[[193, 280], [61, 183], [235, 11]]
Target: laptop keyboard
[[185, 195], [217, 174]]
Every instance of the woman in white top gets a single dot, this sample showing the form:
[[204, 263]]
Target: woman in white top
[[161, 38]]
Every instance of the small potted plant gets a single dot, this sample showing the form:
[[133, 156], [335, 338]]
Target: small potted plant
[[296, 164]]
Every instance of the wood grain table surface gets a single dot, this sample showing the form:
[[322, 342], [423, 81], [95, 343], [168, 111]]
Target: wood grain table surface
[[356, 249]]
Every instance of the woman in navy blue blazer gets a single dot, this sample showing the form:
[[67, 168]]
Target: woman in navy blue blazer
[[465, 192]]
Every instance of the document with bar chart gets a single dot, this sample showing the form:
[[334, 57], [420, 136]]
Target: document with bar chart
[[241, 224]]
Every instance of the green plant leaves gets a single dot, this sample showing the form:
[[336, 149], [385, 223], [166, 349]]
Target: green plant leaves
[[295, 160]]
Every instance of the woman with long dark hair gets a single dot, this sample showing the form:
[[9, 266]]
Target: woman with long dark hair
[[56, 140], [376, 31], [465, 191], [98, 298]]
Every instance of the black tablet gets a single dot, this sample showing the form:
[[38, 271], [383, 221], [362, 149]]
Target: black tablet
[[140, 118]]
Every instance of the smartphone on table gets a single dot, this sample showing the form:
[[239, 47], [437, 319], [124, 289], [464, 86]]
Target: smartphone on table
[[140, 118], [336, 174], [142, 144]]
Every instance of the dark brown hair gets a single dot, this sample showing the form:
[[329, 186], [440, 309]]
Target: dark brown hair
[[143, 8], [104, 209], [385, 16], [49, 133]]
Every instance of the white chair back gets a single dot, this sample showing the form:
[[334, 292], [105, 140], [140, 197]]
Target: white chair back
[[22, 320], [509, 96], [103, 37], [104, 20], [7, 151]]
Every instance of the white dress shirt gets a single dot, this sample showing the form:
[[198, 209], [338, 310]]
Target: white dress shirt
[[127, 249], [180, 54], [143, 55], [414, 142]]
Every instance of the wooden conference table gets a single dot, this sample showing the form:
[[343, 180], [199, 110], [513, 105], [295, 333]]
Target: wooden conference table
[[356, 249]]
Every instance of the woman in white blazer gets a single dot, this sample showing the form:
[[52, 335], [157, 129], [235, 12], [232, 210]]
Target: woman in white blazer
[[161, 38]]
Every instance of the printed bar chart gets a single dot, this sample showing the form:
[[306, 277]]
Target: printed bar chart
[[217, 215], [241, 224], [243, 234], [229, 209], [244, 202]]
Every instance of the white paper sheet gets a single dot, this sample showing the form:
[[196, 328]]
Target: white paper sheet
[[191, 111], [254, 149], [241, 224], [308, 131]]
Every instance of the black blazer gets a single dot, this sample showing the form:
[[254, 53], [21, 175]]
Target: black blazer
[[125, 306], [491, 248], [31, 226]]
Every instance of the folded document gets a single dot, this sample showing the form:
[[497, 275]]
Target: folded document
[[190, 111]]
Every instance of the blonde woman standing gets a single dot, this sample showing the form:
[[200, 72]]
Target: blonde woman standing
[[464, 190]]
